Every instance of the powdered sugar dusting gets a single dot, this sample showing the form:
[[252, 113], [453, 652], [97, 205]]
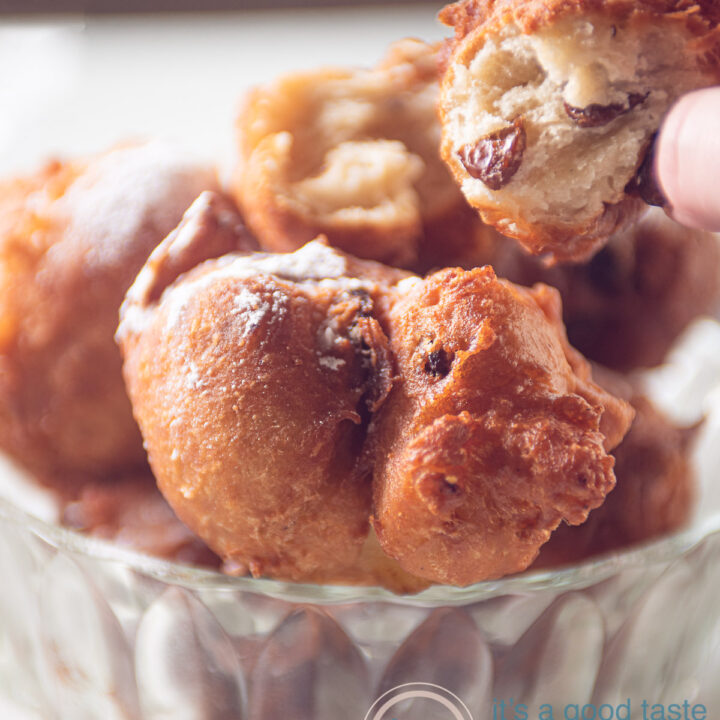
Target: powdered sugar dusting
[[251, 307], [315, 263], [327, 337], [178, 299], [312, 261], [331, 363], [193, 379], [406, 284], [124, 193]]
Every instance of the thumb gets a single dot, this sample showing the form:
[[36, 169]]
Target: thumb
[[688, 159]]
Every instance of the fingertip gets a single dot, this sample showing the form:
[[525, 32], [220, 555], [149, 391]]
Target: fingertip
[[688, 219], [688, 159]]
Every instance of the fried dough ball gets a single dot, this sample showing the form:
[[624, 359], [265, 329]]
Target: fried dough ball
[[549, 109], [494, 432], [274, 391], [626, 307], [133, 514], [72, 239], [211, 228], [354, 155], [654, 493], [253, 377]]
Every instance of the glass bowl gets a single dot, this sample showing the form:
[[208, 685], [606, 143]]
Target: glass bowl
[[91, 630]]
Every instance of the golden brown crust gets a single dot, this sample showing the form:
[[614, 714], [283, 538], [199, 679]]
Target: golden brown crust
[[493, 434], [72, 239], [653, 496], [280, 523], [253, 385], [467, 15], [626, 307], [273, 391], [210, 228], [297, 505], [560, 244]]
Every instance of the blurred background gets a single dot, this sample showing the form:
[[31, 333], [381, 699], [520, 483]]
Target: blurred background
[[145, 6], [79, 82]]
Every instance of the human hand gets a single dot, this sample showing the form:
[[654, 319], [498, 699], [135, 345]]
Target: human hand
[[688, 159]]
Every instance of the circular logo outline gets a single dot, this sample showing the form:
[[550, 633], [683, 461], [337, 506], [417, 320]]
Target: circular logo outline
[[453, 703]]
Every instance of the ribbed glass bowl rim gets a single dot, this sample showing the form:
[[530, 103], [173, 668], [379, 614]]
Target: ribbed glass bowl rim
[[574, 577]]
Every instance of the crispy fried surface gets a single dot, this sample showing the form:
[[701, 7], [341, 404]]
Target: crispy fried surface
[[72, 239], [275, 390], [493, 434], [653, 495], [256, 339], [626, 306], [549, 109], [467, 15], [252, 378], [353, 155]]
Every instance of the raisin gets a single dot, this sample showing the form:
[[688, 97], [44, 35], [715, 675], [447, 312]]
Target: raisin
[[635, 99], [438, 363], [596, 115], [644, 183], [365, 303], [441, 495], [495, 158]]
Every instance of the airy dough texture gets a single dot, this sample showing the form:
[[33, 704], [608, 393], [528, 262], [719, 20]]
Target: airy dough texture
[[72, 239], [576, 91], [353, 155], [274, 391]]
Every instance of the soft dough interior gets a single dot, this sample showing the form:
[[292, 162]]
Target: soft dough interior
[[366, 181], [568, 171], [361, 146]]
